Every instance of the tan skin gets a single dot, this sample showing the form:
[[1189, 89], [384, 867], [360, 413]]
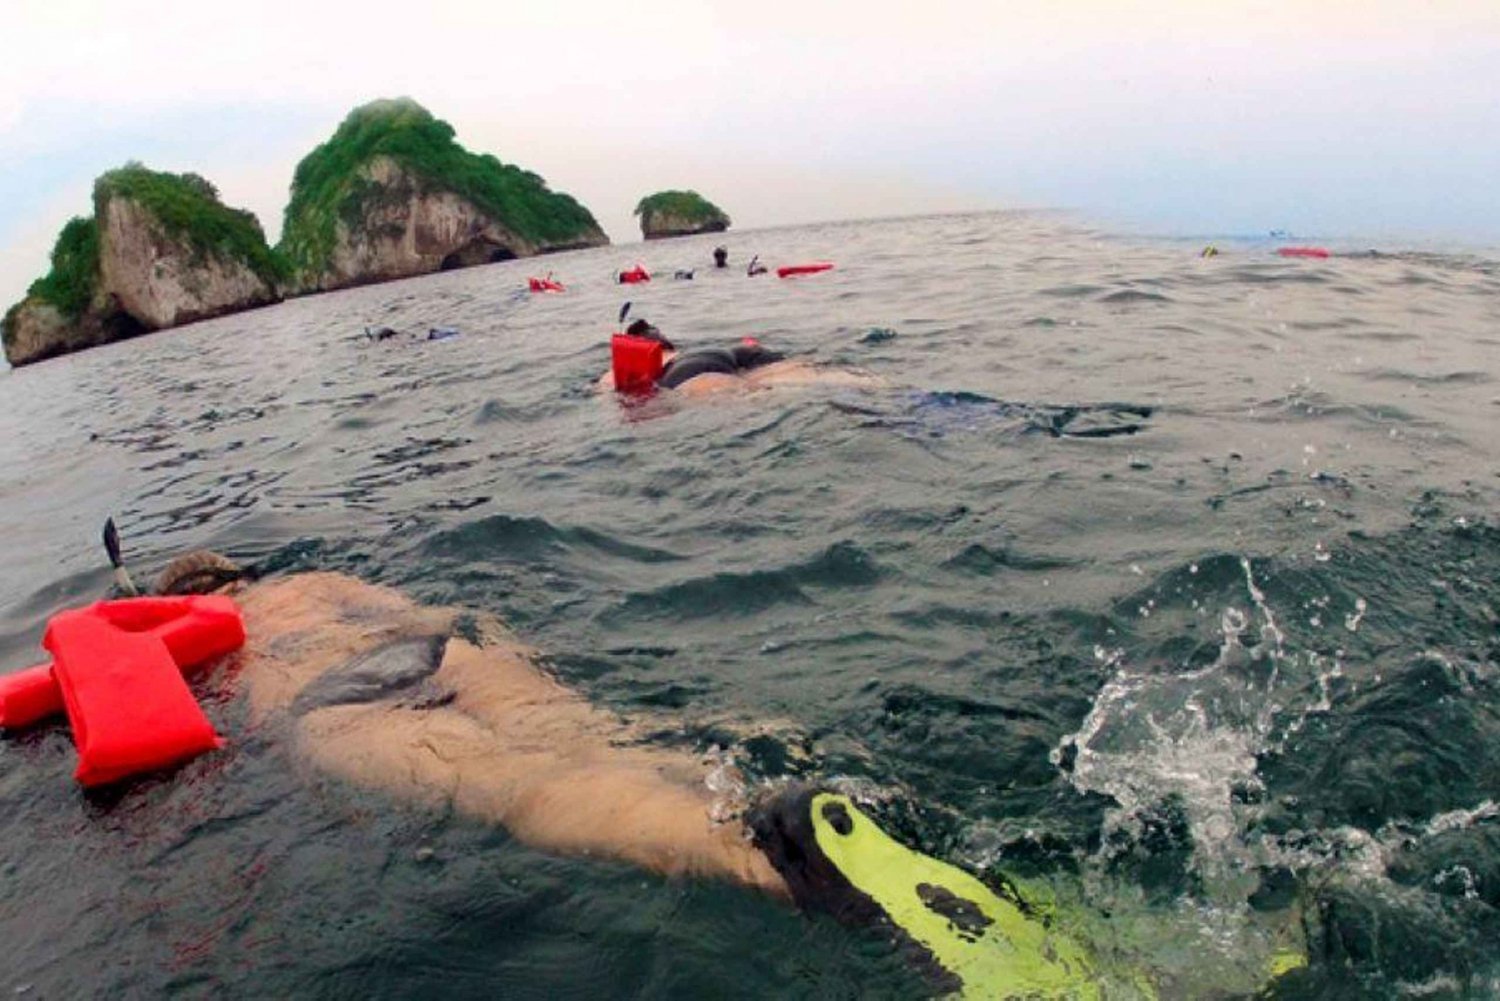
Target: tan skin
[[505, 743]]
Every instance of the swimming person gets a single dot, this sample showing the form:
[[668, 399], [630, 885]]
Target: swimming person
[[721, 257], [445, 708], [746, 365], [755, 267]]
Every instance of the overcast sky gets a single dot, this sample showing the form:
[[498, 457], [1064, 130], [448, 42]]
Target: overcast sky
[[1340, 117]]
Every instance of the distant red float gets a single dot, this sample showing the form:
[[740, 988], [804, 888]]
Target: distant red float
[[1317, 252], [792, 270], [545, 285], [635, 275]]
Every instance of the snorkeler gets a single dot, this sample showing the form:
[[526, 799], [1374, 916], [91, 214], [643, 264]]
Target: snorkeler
[[645, 360], [682, 366], [447, 709]]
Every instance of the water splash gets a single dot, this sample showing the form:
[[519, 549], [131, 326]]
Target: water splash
[[1177, 753]]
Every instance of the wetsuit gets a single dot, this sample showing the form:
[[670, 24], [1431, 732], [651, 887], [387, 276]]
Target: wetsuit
[[729, 361]]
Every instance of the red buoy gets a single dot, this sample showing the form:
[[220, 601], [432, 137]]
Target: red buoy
[[634, 275], [637, 363], [545, 285], [1318, 252]]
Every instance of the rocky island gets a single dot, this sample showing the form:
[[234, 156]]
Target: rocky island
[[679, 213], [390, 195], [160, 250]]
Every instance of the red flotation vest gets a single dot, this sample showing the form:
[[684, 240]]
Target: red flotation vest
[[545, 285], [803, 269], [634, 275], [195, 630], [636, 362], [1319, 252]]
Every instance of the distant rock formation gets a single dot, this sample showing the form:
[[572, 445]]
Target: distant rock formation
[[679, 213], [161, 250], [392, 195]]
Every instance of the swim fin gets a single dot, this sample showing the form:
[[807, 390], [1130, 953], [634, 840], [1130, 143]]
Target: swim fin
[[972, 940]]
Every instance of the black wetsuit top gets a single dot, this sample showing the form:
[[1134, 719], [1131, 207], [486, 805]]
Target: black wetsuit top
[[730, 361]]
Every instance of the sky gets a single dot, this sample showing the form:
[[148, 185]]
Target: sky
[[1340, 118]]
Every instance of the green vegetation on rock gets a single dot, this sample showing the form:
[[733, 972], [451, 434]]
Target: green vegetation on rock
[[187, 206], [328, 187], [69, 285], [685, 207]]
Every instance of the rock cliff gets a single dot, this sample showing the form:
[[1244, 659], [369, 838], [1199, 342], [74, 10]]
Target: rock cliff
[[398, 226], [161, 250], [160, 279], [35, 330], [679, 213], [392, 195]]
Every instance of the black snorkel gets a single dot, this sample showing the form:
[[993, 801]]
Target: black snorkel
[[644, 329], [123, 585]]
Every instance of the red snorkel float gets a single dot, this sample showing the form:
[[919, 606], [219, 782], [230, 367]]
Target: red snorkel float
[[117, 669], [1317, 253], [195, 629], [637, 363]]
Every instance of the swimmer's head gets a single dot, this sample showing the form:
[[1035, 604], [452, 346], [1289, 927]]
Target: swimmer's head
[[640, 328], [199, 572]]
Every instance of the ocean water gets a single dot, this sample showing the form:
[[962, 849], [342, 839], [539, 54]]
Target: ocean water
[[1168, 585]]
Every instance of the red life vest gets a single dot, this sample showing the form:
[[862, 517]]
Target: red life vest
[[196, 630], [636, 362], [129, 706], [803, 269]]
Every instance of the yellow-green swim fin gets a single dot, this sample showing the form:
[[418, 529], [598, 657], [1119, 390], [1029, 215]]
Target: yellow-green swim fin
[[973, 940]]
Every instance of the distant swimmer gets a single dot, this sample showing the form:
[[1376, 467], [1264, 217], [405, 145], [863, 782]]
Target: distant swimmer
[[755, 267], [721, 257], [378, 334], [644, 360]]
